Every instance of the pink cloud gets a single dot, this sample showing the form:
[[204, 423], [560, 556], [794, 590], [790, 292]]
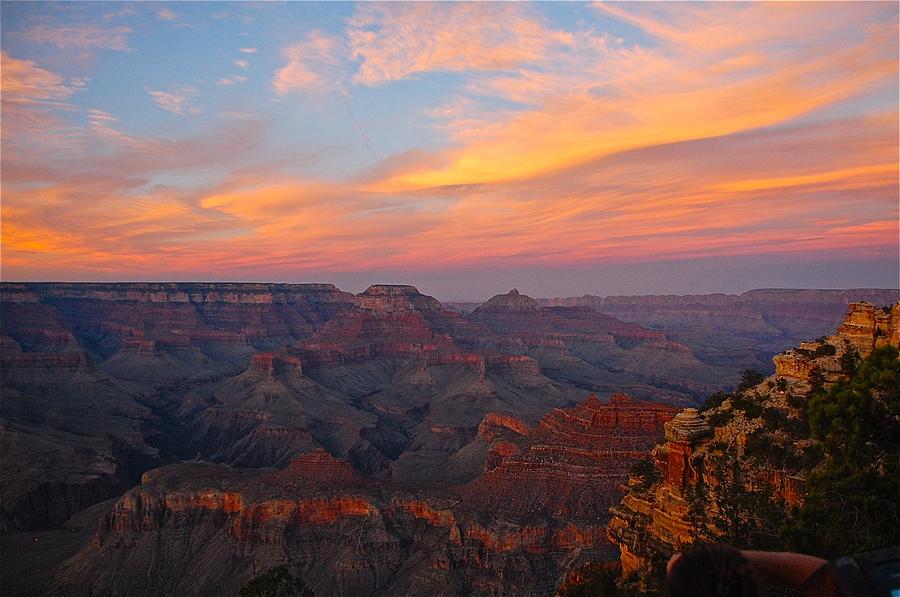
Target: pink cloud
[[166, 15], [395, 41], [232, 80], [311, 65], [177, 100], [77, 37], [26, 83]]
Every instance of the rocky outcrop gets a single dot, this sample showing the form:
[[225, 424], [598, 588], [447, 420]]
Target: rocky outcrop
[[865, 328], [657, 520], [511, 301], [709, 461], [396, 297]]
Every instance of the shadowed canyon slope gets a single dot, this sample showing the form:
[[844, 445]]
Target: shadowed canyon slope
[[380, 443], [737, 331], [538, 507]]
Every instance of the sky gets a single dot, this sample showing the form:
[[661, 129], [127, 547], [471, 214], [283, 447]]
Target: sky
[[561, 148]]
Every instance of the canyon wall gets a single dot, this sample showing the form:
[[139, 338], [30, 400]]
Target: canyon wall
[[534, 515], [745, 452]]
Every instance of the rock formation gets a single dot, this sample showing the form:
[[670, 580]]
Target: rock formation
[[572, 463], [355, 412], [520, 528], [745, 446], [602, 353], [737, 332]]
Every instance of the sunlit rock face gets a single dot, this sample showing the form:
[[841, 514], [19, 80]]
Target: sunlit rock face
[[865, 327], [655, 520], [572, 463]]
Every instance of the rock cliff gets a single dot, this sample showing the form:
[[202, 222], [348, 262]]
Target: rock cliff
[[346, 533], [742, 464]]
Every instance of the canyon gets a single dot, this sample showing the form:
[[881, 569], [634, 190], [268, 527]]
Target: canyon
[[379, 443]]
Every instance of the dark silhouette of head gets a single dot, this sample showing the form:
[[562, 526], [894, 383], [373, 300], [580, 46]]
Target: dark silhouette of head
[[712, 571]]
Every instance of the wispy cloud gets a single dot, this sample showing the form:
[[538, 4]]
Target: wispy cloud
[[31, 97], [242, 63], [395, 41], [24, 82], [248, 50], [165, 14], [608, 98], [77, 37], [232, 80], [177, 100], [312, 65], [725, 129]]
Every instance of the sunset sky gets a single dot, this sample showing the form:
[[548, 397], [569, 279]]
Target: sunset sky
[[562, 148]]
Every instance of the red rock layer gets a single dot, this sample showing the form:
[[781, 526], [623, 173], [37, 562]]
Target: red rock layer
[[572, 462]]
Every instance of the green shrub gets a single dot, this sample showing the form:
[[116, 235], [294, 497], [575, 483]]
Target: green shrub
[[277, 582], [825, 350], [715, 400], [852, 503], [749, 379], [646, 471]]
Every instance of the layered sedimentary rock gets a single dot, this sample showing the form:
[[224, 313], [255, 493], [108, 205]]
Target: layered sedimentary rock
[[228, 317], [102, 382], [748, 445], [345, 533], [737, 331], [572, 463], [595, 351], [865, 328]]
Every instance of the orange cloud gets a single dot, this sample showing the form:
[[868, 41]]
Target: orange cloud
[[575, 121], [26, 83], [719, 139]]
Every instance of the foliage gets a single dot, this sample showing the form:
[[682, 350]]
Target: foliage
[[774, 418], [750, 405], [745, 517], [825, 350], [749, 379], [277, 582], [597, 580], [714, 401], [852, 502], [816, 382], [719, 418], [646, 471], [763, 448], [849, 360]]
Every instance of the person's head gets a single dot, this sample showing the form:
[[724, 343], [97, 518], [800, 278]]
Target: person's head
[[711, 571]]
